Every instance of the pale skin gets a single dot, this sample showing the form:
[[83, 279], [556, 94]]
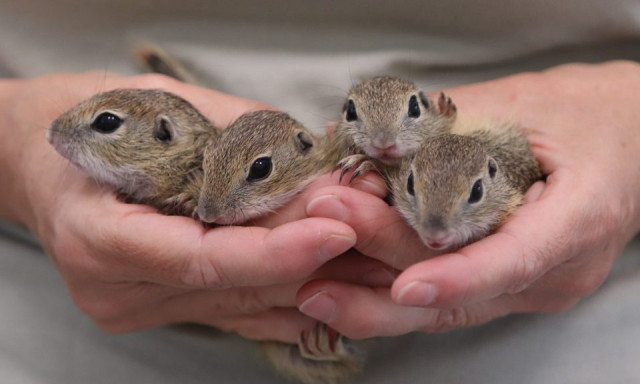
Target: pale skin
[[583, 123], [133, 269], [129, 267]]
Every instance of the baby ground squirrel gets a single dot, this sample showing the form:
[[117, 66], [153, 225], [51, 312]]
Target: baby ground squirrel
[[259, 163], [385, 119], [147, 144], [458, 188]]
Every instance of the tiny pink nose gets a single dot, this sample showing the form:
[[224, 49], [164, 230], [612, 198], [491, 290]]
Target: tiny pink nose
[[384, 146]]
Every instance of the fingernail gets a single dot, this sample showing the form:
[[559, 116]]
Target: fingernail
[[328, 206], [417, 294], [335, 245], [368, 184], [320, 306]]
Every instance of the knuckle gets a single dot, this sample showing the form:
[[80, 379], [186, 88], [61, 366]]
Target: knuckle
[[528, 81], [365, 327], [449, 319], [101, 74], [249, 301], [251, 332], [551, 303], [72, 261], [120, 246], [154, 81], [364, 332], [203, 272], [100, 309], [555, 306], [528, 77], [585, 284], [256, 106], [525, 270]]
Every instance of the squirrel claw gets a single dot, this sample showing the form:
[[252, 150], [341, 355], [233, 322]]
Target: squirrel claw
[[322, 344], [180, 204], [446, 106], [346, 164], [364, 167]]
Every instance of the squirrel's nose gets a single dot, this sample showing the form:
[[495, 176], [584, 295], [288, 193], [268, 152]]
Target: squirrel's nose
[[383, 143], [206, 212]]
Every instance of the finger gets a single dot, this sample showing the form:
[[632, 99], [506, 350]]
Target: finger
[[534, 192], [356, 268], [505, 262], [370, 183], [146, 246], [382, 233], [296, 209], [342, 305], [279, 324], [155, 308]]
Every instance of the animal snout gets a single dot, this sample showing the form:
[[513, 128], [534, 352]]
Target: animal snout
[[206, 212]]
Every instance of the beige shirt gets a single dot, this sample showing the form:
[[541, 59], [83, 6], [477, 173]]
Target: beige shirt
[[302, 56]]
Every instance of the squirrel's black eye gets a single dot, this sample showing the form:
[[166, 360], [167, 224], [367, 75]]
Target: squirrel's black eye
[[410, 189], [260, 169], [414, 107], [106, 123], [476, 192], [351, 114]]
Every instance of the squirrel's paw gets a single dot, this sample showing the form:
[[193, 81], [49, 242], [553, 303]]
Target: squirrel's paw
[[322, 344], [181, 205], [362, 161], [322, 356], [446, 106]]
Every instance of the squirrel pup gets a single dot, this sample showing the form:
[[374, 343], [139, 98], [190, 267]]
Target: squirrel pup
[[458, 188], [385, 119], [259, 163], [147, 144]]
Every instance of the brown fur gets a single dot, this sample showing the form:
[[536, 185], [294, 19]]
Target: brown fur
[[297, 157], [142, 169], [382, 104], [445, 169]]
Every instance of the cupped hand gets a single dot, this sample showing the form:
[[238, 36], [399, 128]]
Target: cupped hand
[[129, 267], [582, 122]]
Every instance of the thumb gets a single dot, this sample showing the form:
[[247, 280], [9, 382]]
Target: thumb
[[522, 250]]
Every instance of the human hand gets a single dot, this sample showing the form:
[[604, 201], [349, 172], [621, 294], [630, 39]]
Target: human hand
[[582, 122], [129, 267]]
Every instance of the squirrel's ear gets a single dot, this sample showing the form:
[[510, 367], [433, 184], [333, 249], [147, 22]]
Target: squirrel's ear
[[492, 167], [304, 142], [164, 130], [424, 100]]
